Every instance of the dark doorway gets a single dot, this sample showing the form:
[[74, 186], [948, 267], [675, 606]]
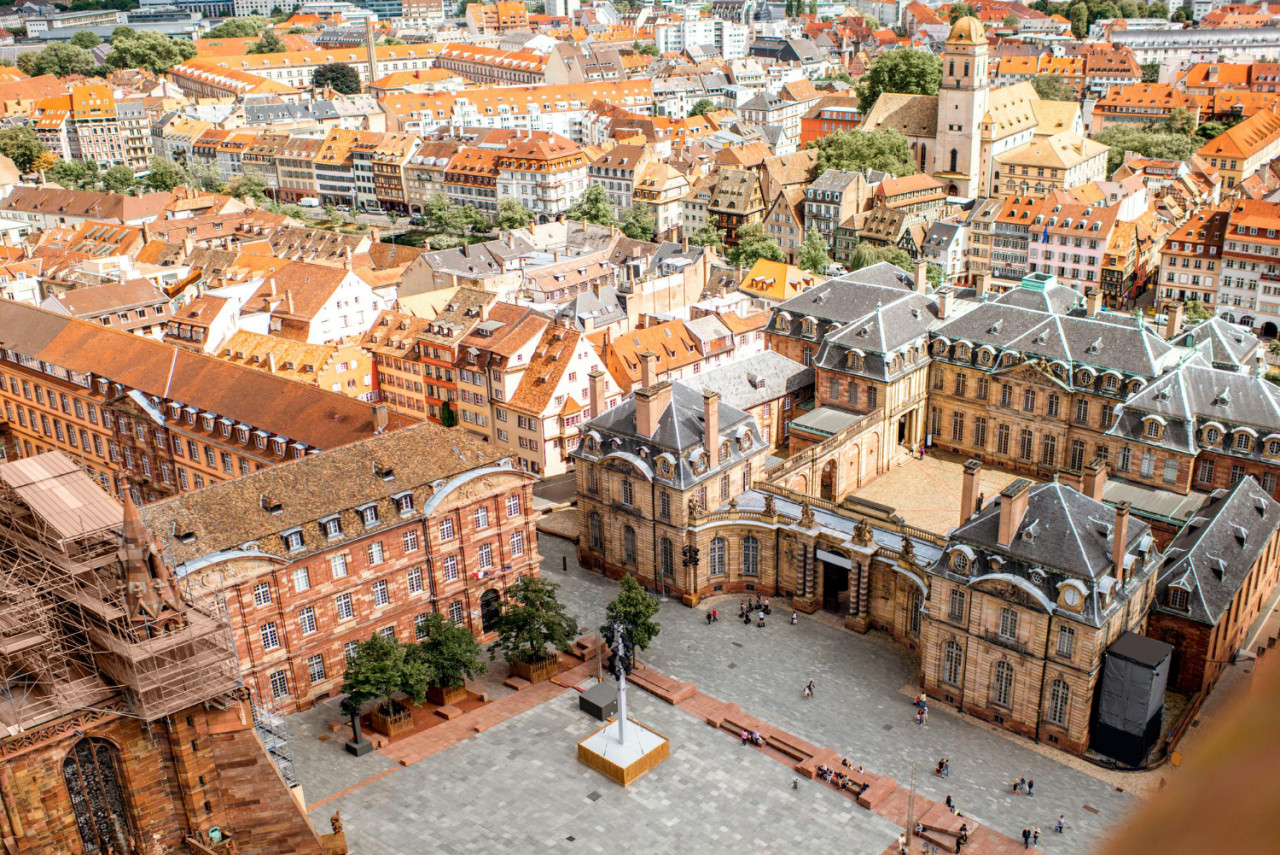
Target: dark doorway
[[92, 775], [1269, 330], [489, 610], [829, 481], [835, 587], [902, 430]]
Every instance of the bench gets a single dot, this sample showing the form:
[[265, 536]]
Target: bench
[[881, 787], [517, 683]]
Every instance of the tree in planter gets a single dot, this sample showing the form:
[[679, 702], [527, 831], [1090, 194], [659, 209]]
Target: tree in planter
[[634, 609], [380, 668], [451, 652], [531, 620]]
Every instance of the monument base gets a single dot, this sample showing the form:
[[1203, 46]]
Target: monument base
[[623, 764]]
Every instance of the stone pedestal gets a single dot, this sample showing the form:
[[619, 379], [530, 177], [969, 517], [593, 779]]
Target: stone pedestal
[[806, 605], [620, 763]]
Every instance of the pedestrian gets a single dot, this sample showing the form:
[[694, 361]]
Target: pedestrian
[[1030, 787], [808, 693], [924, 716], [811, 688], [708, 618], [951, 805], [1022, 785], [920, 717], [795, 618], [981, 498], [715, 615], [1061, 823], [946, 767], [902, 844], [1035, 835], [744, 737], [761, 621], [1026, 838]]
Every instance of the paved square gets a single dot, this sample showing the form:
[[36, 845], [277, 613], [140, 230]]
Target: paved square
[[927, 492]]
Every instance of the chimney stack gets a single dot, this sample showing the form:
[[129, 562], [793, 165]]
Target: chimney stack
[[595, 384], [1174, 316], [1095, 479], [271, 361], [969, 490], [272, 283], [922, 277], [651, 403], [1120, 536], [1093, 302], [980, 286], [648, 369], [350, 261], [711, 427], [288, 300], [380, 417], [1013, 507], [945, 295]]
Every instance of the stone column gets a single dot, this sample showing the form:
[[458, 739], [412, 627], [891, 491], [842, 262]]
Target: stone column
[[859, 600]]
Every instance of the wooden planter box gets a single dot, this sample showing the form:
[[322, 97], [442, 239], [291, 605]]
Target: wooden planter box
[[443, 697], [536, 672], [399, 721]]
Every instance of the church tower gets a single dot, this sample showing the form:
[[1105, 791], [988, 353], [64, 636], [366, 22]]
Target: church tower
[[962, 104]]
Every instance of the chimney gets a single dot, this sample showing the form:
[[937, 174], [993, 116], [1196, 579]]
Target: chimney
[[1260, 363], [595, 384], [369, 43], [511, 240], [711, 427], [188, 246], [980, 286], [272, 283], [1013, 507], [271, 361], [1093, 302], [1174, 316], [969, 490], [146, 233], [350, 261], [648, 369], [1070, 478], [380, 417], [1095, 479], [1120, 536], [651, 403], [922, 277], [288, 300], [945, 297]]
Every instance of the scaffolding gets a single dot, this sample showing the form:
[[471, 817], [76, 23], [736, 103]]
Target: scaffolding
[[71, 634]]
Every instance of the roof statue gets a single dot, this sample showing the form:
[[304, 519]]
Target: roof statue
[[863, 534]]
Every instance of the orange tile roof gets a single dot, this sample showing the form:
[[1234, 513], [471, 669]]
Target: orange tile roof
[[1245, 139]]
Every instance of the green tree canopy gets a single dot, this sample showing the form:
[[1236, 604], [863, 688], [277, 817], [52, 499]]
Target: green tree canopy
[[59, 60], [634, 609], [1212, 128], [380, 668], [1051, 87], [450, 651], [205, 176], [248, 185], [1168, 146], [857, 151], [269, 43], [239, 28], [704, 106], [1079, 17], [645, 48], [152, 51], [709, 236], [532, 620], [164, 175], [76, 174], [1179, 121], [119, 179], [813, 252], [1010, 21], [754, 244], [960, 10], [511, 215], [21, 146], [593, 206], [342, 77], [639, 224], [866, 255], [441, 216], [86, 39], [914, 72], [1194, 310], [1150, 72]]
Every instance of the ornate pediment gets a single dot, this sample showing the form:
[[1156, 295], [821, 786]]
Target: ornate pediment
[[1037, 370], [1008, 592]]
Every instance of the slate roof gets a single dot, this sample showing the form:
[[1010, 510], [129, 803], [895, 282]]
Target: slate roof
[[750, 382], [1224, 345], [601, 310], [1214, 552], [1055, 299], [678, 437]]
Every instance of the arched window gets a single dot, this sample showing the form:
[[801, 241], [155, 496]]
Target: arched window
[[92, 775], [914, 604], [717, 556], [1059, 703], [924, 156], [627, 493], [1002, 688], [750, 556], [629, 544], [597, 532], [955, 160], [668, 558], [952, 663]]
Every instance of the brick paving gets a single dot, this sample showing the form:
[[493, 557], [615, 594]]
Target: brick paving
[[927, 492]]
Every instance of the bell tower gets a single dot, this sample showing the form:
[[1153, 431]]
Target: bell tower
[[962, 104]]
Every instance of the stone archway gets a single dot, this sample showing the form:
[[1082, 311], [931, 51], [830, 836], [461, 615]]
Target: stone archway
[[855, 470], [828, 484], [800, 484], [490, 610], [871, 466]]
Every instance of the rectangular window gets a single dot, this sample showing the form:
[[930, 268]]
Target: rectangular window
[[420, 626], [338, 565], [315, 668], [381, 595], [664, 505], [485, 554], [1002, 440], [345, 609], [1237, 474], [1066, 641], [446, 528], [262, 594], [1006, 395], [1029, 400], [517, 543], [957, 427], [307, 620], [983, 386], [980, 432], [1025, 445], [513, 506], [955, 610], [374, 552], [410, 540], [349, 650], [1008, 624], [1171, 471], [270, 636], [279, 684], [301, 580], [456, 613], [1122, 460], [451, 568], [415, 580]]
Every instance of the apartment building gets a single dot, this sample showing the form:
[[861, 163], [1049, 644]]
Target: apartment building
[[1140, 104], [389, 159], [544, 172], [1249, 288], [1240, 151], [295, 164], [1191, 260], [617, 171], [1069, 239]]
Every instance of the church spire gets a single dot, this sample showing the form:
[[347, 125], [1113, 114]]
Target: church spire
[[151, 597]]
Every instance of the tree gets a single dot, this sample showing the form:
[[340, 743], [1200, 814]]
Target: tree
[[1010, 21], [251, 186], [239, 28], [164, 175], [44, 162], [269, 43], [152, 51], [708, 236], [119, 179], [866, 255], [391, 40], [450, 651], [1194, 310], [58, 60], [754, 244], [634, 609], [331, 214], [704, 106], [960, 10], [1180, 16], [380, 668], [1164, 146], [448, 418], [1179, 121], [639, 224], [342, 77], [1051, 87], [205, 176], [22, 146], [1150, 72], [532, 619], [1212, 128], [645, 48], [913, 72], [444, 217], [511, 215], [813, 252], [857, 151], [77, 174], [593, 206], [1079, 18], [86, 39], [1157, 10], [933, 273]]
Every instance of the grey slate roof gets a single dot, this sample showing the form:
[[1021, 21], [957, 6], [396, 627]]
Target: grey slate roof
[[751, 382], [587, 311], [1056, 299], [1226, 346], [678, 439], [940, 236], [1213, 553]]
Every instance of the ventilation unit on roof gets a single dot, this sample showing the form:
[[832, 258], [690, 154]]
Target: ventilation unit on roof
[[270, 505]]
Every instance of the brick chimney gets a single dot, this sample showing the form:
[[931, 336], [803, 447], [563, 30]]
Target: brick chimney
[[380, 417], [595, 386], [1173, 318], [1013, 507], [271, 361], [1093, 302], [980, 285], [1120, 536], [651, 403], [288, 299], [1095, 479], [969, 490], [711, 427], [922, 277], [648, 369], [945, 296]]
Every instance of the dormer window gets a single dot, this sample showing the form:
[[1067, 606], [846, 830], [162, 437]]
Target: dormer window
[[1110, 383], [1178, 599], [369, 515], [1273, 448], [332, 527], [293, 540], [962, 351], [1243, 442], [1153, 429], [1212, 436], [404, 504], [809, 327]]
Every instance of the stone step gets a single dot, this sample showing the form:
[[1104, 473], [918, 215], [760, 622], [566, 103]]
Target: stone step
[[879, 790]]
